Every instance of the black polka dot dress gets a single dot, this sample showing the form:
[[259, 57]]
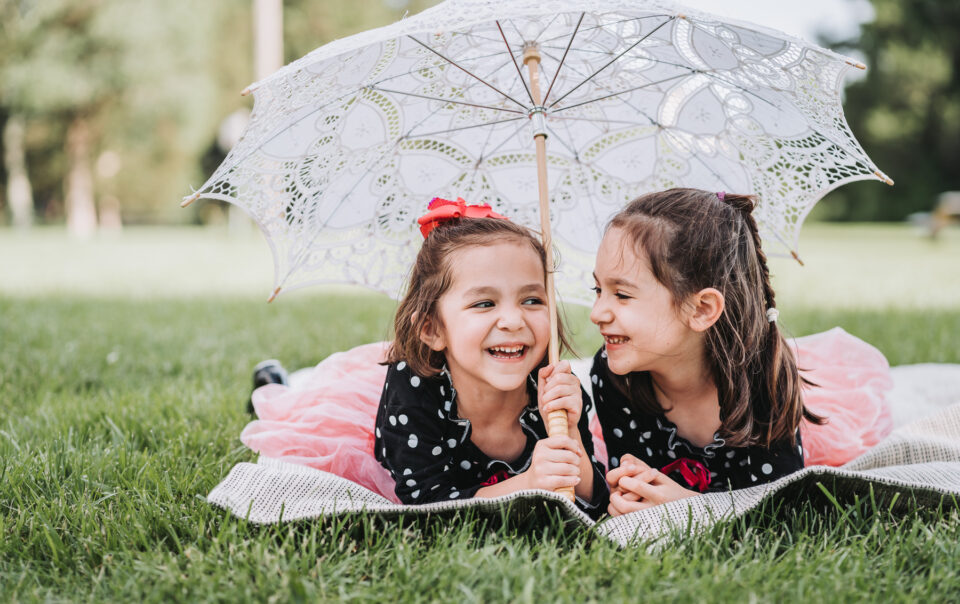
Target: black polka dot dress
[[426, 446], [654, 439]]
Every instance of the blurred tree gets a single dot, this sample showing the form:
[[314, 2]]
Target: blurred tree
[[906, 110], [132, 77]]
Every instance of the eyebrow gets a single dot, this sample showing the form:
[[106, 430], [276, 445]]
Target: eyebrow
[[617, 281], [488, 290]]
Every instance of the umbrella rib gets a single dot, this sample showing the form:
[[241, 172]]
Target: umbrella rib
[[494, 123], [552, 21], [682, 75], [556, 74], [472, 75], [436, 98], [611, 61], [420, 69], [514, 59], [569, 147]]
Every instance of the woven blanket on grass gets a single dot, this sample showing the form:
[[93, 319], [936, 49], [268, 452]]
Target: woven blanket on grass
[[917, 466]]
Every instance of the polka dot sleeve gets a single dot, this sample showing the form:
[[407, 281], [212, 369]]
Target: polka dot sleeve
[[415, 442]]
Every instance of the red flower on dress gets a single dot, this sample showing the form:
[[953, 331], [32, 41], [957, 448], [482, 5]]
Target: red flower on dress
[[695, 473], [443, 210]]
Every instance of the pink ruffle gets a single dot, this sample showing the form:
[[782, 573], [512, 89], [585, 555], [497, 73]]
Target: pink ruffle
[[852, 379], [327, 422]]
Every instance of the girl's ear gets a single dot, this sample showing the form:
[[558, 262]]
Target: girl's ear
[[431, 336], [706, 306]]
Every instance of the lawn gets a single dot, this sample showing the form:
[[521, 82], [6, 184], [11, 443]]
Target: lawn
[[125, 367]]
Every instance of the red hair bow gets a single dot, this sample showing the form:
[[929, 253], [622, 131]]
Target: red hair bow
[[695, 473], [442, 210]]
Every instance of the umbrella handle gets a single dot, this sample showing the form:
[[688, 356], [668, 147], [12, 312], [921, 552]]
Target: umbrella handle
[[556, 421]]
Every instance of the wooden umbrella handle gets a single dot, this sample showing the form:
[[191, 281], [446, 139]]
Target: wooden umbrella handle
[[556, 421]]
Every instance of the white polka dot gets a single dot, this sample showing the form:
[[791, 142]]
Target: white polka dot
[[647, 434], [671, 454], [465, 464], [753, 478], [442, 391], [435, 487], [730, 454], [437, 450], [534, 418], [593, 459], [614, 462], [415, 494], [600, 384], [446, 468], [415, 381], [378, 432], [446, 406], [593, 378], [411, 483], [800, 449], [726, 464], [401, 366], [412, 441], [766, 468], [649, 452], [407, 472], [633, 425], [603, 354], [618, 432], [402, 419], [393, 420], [440, 414], [640, 439], [626, 410], [383, 451], [452, 443], [454, 494]]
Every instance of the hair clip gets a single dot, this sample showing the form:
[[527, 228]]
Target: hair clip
[[721, 195], [772, 315]]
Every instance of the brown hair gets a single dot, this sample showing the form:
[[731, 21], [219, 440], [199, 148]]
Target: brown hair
[[695, 240], [430, 278]]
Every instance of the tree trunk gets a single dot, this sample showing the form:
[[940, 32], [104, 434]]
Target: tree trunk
[[19, 191], [80, 207]]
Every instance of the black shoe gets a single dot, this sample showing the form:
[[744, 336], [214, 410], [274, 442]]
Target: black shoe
[[267, 372]]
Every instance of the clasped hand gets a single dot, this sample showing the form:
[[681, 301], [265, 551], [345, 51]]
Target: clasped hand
[[634, 485]]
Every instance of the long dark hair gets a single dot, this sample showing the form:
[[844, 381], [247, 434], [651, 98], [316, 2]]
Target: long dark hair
[[697, 239], [430, 278]]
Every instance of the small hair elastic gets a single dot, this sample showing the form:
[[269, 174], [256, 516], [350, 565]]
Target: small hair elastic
[[721, 195], [772, 315]]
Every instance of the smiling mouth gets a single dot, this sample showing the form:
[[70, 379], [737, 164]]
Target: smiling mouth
[[614, 340], [507, 352]]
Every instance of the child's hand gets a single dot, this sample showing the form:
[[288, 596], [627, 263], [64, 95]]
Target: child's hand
[[559, 390], [555, 463], [636, 486]]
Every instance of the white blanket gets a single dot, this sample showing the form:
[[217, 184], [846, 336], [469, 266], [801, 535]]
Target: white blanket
[[918, 465]]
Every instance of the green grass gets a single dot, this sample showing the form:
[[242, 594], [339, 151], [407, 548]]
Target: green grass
[[120, 409]]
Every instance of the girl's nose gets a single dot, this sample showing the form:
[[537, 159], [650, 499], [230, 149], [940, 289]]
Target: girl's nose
[[510, 318], [600, 313]]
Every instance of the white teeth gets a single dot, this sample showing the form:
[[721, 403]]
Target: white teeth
[[615, 339], [505, 350]]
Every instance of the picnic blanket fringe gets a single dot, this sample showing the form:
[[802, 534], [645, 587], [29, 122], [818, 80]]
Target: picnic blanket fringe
[[917, 466]]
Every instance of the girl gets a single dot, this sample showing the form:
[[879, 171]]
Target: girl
[[466, 385], [696, 388]]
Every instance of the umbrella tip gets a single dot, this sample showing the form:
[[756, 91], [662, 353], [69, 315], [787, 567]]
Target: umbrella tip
[[273, 295], [797, 258], [188, 200], [681, 16], [246, 91], [883, 177], [857, 64]]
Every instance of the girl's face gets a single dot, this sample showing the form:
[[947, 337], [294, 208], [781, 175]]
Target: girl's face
[[636, 314], [494, 325]]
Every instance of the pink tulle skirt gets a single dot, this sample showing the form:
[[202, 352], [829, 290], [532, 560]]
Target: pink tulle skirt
[[852, 379], [326, 421]]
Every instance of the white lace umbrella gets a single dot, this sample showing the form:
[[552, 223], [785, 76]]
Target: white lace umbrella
[[346, 145]]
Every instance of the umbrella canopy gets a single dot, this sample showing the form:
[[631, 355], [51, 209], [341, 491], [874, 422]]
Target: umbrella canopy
[[346, 145]]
